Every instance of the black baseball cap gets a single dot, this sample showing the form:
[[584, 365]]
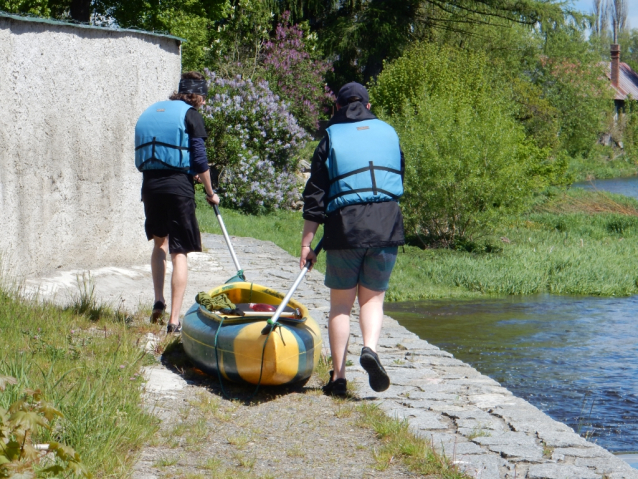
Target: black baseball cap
[[352, 89]]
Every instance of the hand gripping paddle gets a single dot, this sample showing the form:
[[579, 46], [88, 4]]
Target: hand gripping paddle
[[272, 322]]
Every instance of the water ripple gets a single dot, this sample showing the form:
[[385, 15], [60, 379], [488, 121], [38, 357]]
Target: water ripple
[[572, 357]]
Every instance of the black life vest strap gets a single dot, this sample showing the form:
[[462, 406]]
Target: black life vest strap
[[141, 167], [373, 179], [154, 142], [370, 168], [361, 190]]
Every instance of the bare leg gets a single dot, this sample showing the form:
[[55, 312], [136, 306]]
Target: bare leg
[[178, 285], [158, 266], [341, 301], [371, 315]]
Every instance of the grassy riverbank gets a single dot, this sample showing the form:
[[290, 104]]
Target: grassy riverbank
[[603, 163], [578, 242], [88, 369]]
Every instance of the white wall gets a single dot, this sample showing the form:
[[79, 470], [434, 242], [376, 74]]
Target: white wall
[[69, 100]]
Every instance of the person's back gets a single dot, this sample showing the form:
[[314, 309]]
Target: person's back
[[169, 149], [355, 182]]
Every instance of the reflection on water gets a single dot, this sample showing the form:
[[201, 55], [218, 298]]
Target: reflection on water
[[574, 358], [621, 186]]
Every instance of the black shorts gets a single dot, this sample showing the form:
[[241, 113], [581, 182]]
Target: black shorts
[[172, 216]]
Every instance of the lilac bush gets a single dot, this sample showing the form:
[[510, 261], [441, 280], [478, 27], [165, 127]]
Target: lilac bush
[[256, 186], [296, 76], [254, 143]]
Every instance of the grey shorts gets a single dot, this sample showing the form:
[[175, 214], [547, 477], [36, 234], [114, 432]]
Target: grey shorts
[[369, 267]]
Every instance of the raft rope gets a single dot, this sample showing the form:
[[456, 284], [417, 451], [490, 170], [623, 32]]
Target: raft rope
[[219, 374]]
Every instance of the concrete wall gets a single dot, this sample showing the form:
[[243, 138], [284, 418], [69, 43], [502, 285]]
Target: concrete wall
[[69, 100]]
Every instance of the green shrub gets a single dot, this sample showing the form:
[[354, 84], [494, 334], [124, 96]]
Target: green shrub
[[467, 159]]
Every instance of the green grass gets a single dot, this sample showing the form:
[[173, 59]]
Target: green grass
[[400, 444], [603, 163], [89, 369], [580, 242]]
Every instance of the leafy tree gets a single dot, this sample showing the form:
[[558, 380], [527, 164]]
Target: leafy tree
[[296, 74], [189, 19], [468, 160], [33, 7], [360, 35], [238, 38]]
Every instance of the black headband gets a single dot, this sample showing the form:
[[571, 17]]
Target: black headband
[[198, 87]]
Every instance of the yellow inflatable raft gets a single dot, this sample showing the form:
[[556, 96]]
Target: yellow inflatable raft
[[290, 355]]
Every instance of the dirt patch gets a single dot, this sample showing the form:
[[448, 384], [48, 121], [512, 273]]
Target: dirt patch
[[280, 433]]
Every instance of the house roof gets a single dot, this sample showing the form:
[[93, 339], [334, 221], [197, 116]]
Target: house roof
[[627, 83]]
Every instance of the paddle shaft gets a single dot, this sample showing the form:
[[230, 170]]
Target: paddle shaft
[[264, 314], [295, 285], [227, 238]]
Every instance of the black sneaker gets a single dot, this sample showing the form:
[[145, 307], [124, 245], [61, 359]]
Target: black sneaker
[[158, 311], [174, 328], [338, 387], [379, 379]]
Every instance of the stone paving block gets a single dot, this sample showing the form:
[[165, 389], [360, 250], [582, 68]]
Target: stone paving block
[[509, 438], [491, 400], [427, 405], [516, 452], [521, 414], [481, 466], [468, 413], [418, 418], [594, 451], [480, 425], [553, 438], [418, 394], [454, 449], [432, 353], [560, 471], [441, 441], [475, 432], [622, 475], [393, 393], [605, 465], [409, 377]]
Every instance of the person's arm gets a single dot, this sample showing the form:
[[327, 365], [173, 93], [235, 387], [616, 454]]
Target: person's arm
[[199, 165], [211, 196], [307, 254], [313, 195], [317, 185], [199, 161]]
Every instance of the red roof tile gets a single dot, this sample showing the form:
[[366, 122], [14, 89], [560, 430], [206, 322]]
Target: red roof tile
[[627, 84]]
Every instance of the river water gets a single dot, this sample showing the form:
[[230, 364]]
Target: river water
[[575, 358], [621, 186]]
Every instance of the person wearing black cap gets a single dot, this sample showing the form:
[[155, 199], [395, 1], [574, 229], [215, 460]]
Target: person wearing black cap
[[355, 183], [170, 151]]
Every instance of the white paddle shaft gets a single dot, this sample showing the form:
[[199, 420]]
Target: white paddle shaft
[[227, 238]]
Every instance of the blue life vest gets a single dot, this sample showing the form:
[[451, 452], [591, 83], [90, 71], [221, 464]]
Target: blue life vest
[[161, 141], [364, 164]]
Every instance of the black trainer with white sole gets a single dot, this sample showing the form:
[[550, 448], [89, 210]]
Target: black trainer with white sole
[[379, 379]]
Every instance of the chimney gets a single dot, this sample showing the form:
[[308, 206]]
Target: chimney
[[615, 64]]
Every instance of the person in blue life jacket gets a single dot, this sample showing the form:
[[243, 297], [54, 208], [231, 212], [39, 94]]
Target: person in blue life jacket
[[356, 180], [170, 151]]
